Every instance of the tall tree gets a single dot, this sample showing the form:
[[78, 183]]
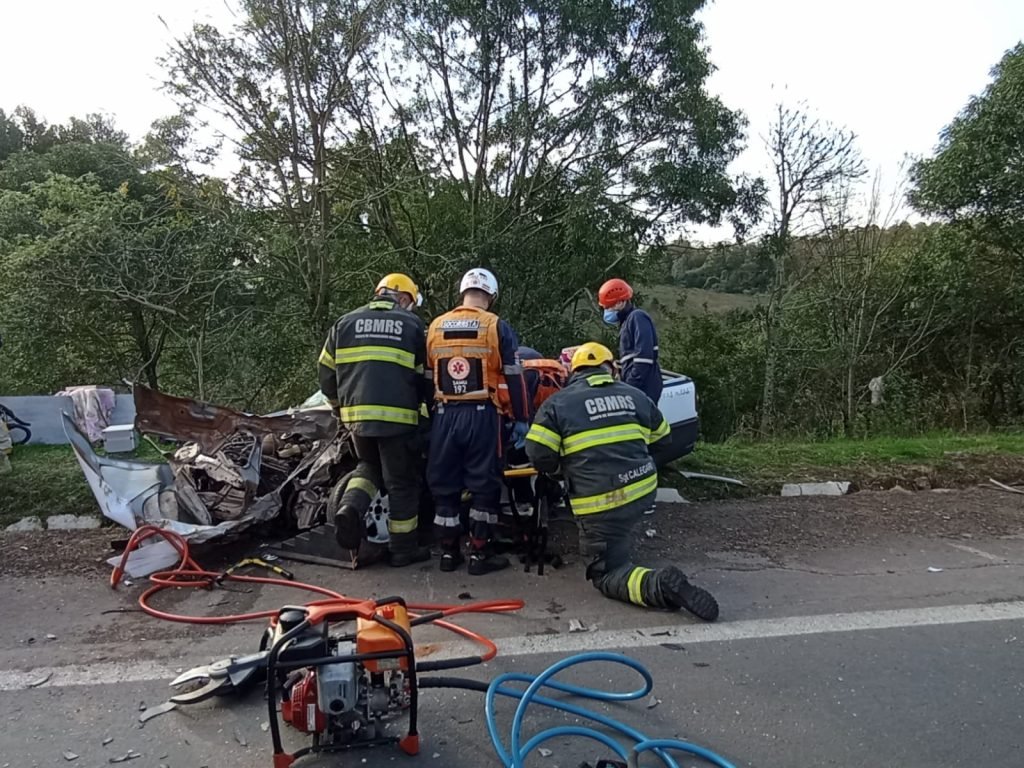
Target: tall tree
[[976, 177], [510, 97], [812, 162], [283, 80]]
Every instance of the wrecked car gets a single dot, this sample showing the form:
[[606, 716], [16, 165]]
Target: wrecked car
[[231, 470]]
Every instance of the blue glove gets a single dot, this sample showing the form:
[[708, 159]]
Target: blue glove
[[519, 431]]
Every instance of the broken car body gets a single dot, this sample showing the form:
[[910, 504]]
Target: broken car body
[[233, 470]]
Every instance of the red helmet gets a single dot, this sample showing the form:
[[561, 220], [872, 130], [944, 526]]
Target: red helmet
[[614, 291]]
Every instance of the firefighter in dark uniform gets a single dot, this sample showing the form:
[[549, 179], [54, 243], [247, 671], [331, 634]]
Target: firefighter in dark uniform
[[600, 434], [372, 369], [638, 338], [478, 383]]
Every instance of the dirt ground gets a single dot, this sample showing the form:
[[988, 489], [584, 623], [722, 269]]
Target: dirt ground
[[771, 526], [768, 526]]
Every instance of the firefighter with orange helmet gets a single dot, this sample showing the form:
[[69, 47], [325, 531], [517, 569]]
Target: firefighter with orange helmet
[[478, 385], [638, 339], [603, 436]]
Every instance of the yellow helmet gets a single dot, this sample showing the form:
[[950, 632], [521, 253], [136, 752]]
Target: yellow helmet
[[396, 281], [591, 354]]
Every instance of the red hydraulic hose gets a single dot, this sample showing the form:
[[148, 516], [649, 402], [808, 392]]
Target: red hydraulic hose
[[188, 574]]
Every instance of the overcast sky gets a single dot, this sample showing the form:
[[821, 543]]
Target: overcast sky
[[894, 71]]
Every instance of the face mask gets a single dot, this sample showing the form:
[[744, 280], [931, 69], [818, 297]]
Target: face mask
[[611, 317]]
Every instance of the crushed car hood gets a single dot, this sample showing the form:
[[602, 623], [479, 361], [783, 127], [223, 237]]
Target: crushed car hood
[[181, 418]]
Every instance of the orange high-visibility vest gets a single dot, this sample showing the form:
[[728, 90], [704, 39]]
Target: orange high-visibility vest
[[464, 352]]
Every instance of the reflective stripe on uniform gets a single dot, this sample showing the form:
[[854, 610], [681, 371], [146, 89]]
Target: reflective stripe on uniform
[[480, 516], [545, 437], [628, 357], [602, 502], [375, 354], [604, 436], [441, 352], [512, 370], [635, 585], [326, 358], [446, 522], [646, 360], [662, 430], [387, 413], [402, 526], [599, 378], [362, 484]]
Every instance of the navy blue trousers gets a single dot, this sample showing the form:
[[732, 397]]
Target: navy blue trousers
[[465, 454]]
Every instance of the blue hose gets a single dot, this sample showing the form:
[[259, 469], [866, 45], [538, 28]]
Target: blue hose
[[514, 756]]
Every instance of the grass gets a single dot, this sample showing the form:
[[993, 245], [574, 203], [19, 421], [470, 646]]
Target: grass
[[47, 480], [942, 460]]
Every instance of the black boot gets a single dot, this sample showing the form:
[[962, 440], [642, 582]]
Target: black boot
[[402, 559], [482, 563], [678, 592], [349, 527], [451, 556]]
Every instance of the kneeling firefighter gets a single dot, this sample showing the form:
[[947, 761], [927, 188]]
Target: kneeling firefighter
[[600, 433], [477, 382], [372, 369]]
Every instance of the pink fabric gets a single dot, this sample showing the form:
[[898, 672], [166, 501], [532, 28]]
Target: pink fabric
[[93, 408]]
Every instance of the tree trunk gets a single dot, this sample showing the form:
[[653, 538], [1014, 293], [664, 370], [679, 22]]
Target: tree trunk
[[149, 354]]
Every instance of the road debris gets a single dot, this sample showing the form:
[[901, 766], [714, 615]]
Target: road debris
[[575, 625], [650, 533], [51, 637], [545, 752], [69, 756], [131, 754], [108, 740], [653, 702], [240, 739], [39, 680], [264, 726], [1005, 487], [712, 478], [163, 709], [933, 569]]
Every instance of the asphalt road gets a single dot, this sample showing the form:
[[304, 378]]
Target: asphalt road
[[861, 655]]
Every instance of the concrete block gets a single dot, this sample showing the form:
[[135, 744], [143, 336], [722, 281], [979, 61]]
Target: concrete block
[[669, 496], [71, 522], [26, 524], [831, 488]]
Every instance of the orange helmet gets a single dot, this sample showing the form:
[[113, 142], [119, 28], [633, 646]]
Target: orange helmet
[[614, 291]]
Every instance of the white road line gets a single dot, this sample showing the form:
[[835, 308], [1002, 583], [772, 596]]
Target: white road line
[[576, 642], [979, 552]]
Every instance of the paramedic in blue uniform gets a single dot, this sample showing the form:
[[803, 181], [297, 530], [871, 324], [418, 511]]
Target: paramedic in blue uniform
[[478, 384], [638, 339]]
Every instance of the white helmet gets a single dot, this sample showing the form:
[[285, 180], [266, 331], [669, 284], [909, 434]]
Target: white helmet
[[481, 279]]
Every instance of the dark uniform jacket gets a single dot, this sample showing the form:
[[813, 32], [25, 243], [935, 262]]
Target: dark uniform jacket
[[372, 369], [598, 432], [638, 352]]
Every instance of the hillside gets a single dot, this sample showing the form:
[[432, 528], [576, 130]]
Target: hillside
[[659, 297]]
